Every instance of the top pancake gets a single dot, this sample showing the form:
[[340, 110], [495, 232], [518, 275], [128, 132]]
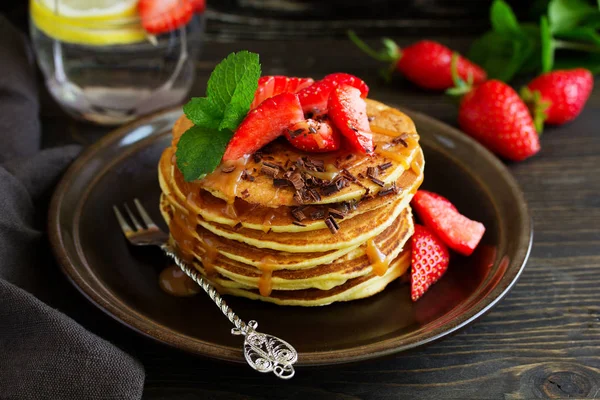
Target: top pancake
[[229, 182]]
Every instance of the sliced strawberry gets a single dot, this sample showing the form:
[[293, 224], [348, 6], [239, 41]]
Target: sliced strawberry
[[348, 112], [429, 261], [269, 86], [315, 97], [457, 231], [161, 16], [313, 136], [264, 124]]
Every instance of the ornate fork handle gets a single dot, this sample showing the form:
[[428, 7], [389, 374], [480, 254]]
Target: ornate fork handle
[[264, 353]]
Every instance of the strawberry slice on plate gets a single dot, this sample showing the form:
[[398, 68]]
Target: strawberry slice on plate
[[348, 112], [315, 97], [457, 231], [429, 261], [272, 85], [313, 136], [161, 16], [264, 124]]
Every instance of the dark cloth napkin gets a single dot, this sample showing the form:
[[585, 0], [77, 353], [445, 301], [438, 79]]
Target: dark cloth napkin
[[44, 354]]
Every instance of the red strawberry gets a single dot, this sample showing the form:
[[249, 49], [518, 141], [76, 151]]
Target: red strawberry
[[199, 5], [438, 214], [429, 261], [314, 98], [161, 16], [559, 96], [264, 124], [313, 136], [425, 63], [269, 86], [494, 114], [348, 112]]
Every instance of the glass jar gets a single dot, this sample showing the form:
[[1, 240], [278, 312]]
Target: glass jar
[[106, 68]]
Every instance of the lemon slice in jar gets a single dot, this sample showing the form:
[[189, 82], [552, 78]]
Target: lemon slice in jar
[[90, 22]]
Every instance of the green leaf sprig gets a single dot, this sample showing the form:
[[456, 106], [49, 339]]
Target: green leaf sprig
[[229, 93], [511, 48]]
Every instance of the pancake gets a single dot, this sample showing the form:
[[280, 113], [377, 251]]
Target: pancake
[[387, 124], [294, 228], [254, 216], [353, 289]]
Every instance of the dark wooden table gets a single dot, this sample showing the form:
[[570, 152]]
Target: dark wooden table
[[542, 340]]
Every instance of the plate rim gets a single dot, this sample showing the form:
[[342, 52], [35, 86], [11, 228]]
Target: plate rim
[[342, 356]]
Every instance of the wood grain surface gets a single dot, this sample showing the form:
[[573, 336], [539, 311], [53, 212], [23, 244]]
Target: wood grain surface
[[541, 341]]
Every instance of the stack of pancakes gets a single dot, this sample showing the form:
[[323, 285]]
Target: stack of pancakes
[[294, 228]]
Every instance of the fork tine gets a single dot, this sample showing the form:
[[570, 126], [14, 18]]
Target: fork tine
[[145, 217], [124, 225], [137, 224]]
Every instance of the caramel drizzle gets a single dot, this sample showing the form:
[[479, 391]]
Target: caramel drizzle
[[378, 260], [265, 283]]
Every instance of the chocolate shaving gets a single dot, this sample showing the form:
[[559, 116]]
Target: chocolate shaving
[[297, 132], [245, 193], [385, 166], [278, 183], [228, 169], [389, 190], [378, 182], [336, 213], [330, 189], [298, 213], [361, 176], [332, 225], [238, 226], [299, 196], [257, 157], [371, 118], [319, 213], [372, 172], [401, 139], [269, 169], [314, 194], [298, 223], [312, 129], [297, 180]]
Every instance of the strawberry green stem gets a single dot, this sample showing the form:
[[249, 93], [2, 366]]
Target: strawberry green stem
[[460, 86], [391, 52]]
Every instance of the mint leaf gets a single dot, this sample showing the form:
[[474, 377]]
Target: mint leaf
[[229, 93], [580, 33], [503, 19], [232, 85], [202, 112], [200, 150], [567, 14]]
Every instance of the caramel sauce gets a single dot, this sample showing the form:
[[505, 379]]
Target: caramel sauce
[[182, 229], [415, 167], [386, 132], [401, 154], [268, 221], [175, 282], [330, 173], [265, 284], [378, 260], [209, 255]]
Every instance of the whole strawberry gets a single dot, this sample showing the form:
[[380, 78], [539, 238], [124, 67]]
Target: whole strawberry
[[429, 261], [559, 96], [425, 63], [494, 114]]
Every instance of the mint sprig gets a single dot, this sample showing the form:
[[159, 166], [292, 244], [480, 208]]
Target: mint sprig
[[230, 91]]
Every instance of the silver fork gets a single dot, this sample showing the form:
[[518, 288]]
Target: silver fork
[[263, 352]]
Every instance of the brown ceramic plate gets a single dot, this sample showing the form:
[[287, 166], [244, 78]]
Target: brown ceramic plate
[[122, 281]]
